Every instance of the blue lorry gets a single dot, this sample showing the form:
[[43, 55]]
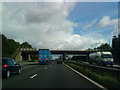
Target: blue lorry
[[44, 56]]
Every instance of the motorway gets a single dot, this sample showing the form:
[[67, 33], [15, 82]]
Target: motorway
[[47, 76]]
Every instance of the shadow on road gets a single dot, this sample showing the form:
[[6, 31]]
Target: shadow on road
[[34, 64]]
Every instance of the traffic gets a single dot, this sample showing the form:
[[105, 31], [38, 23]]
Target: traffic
[[101, 58], [10, 66]]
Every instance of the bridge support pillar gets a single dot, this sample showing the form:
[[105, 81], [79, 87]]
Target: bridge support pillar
[[24, 57], [18, 56], [64, 56], [29, 58]]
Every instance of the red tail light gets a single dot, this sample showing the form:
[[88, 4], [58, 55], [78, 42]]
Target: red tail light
[[39, 58], [46, 59], [4, 65]]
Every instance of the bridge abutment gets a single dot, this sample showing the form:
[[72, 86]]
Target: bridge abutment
[[64, 56], [24, 57]]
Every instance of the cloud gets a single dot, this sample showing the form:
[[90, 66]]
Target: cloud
[[107, 21], [90, 25], [0, 18], [44, 25]]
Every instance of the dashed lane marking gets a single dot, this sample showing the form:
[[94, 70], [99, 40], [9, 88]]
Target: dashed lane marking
[[27, 67], [46, 68], [33, 76]]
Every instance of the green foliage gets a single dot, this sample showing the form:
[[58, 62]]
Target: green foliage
[[116, 48], [99, 76], [9, 46], [104, 46], [76, 58], [25, 45]]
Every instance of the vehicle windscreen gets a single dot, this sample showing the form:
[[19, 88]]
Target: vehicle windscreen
[[107, 56]]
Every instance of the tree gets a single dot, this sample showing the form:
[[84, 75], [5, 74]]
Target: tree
[[9, 46], [25, 45], [105, 47], [116, 48]]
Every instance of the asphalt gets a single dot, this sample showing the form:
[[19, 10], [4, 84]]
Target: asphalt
[[47, 76]]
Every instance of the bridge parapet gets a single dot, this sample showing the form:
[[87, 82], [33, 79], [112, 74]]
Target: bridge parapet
[[57, 50], [28, 49], [35, 49], [66, 50], [25, 52]]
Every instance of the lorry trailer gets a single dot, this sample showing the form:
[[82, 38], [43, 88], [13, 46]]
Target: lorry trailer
[[101, 58], [44, 56]]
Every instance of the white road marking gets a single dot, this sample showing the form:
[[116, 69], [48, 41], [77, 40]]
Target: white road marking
[[33, 76], [46, 68], [97, 84]]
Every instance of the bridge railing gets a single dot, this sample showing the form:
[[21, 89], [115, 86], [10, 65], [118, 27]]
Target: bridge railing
[[35, 49], [28, 49]]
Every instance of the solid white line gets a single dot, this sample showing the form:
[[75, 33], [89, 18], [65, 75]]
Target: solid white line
[[33, 76], [97, 84]]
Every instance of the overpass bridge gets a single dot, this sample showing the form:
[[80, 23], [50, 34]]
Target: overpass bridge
[[26, 52]]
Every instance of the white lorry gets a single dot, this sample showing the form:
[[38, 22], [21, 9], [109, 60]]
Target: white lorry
[[101, 58]]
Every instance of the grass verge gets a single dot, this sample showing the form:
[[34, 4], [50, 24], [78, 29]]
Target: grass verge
[[103, 78]]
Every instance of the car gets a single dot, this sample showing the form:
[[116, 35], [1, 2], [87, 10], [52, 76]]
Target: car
[[9, 67], [59, 61]]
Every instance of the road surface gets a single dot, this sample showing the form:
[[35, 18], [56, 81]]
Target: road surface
[[47, 76]]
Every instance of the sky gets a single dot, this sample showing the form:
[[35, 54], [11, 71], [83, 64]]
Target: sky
[[60, 25]]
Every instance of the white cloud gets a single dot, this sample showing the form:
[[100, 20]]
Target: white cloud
[[61, 1], [90, 24], [43, 25], [107, 21], [0, 17], [87, 26]]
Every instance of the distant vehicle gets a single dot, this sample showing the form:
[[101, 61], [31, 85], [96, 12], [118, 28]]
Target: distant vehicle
[[101, 58], [9, 67], [59, 60], [44, 56]]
